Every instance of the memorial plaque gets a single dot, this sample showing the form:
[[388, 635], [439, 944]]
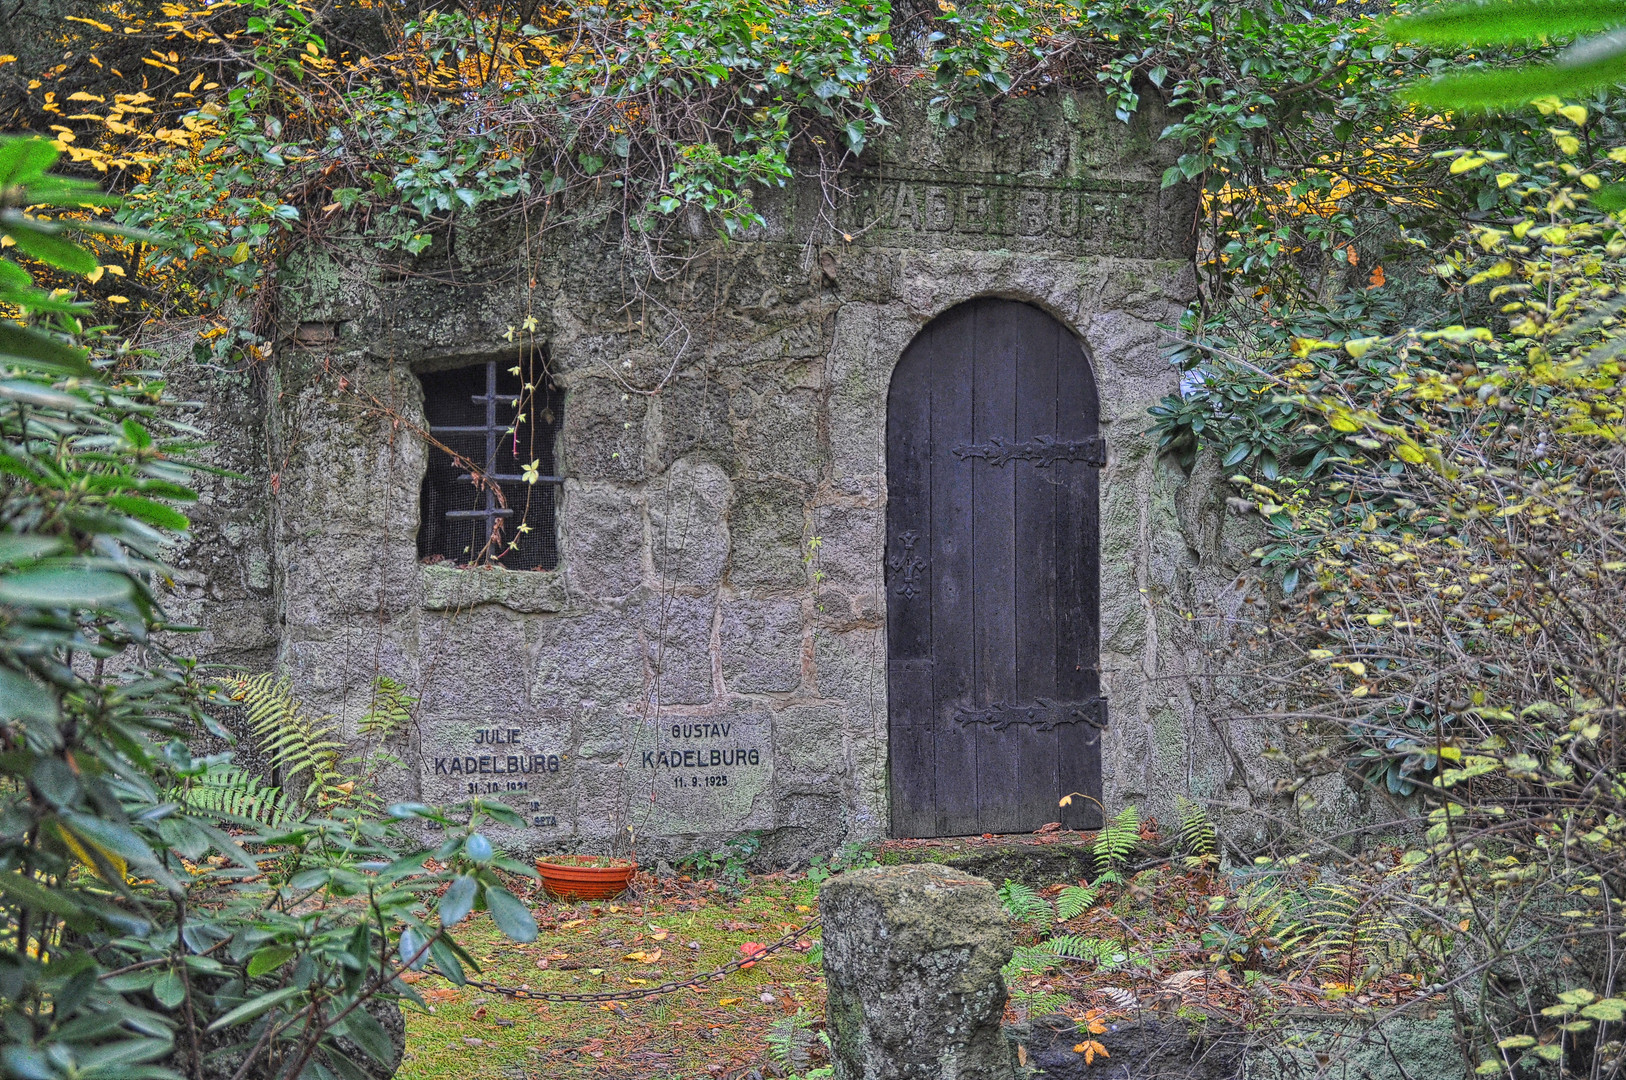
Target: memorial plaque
[[708, 773], [524, 766]]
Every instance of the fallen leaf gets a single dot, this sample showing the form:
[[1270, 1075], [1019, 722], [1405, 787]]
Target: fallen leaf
[[730, 1001], [749, 950], [642, 957], [571, 923]]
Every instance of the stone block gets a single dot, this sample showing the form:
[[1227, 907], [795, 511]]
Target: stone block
[[603, 436], [602, 529], [850, 665], [912, 958], [766, 529], [588, 658], [762, 646], [455, 588], [688, 530], [808, 745], [691, 416], [330, 575], [677, 648], [782, 436], [476, 667], [1145, 1050], [851, 541]]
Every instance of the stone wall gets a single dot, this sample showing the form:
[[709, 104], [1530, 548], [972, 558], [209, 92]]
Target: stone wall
[[719, 587]]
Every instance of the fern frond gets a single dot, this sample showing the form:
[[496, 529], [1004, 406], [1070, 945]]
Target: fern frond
[[1078, 947], [1075, 900], [1198, 838], [294, 744], [233, 793], [389, 712], [1117, 840], [1025, 904]]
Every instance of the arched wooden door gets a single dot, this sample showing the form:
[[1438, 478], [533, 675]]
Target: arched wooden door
[[992, 571]]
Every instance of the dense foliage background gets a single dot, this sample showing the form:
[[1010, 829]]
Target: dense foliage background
[[1408, 354]]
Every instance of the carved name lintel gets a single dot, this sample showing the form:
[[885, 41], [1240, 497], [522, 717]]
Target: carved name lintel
[[1039, 714], [1042, 450]]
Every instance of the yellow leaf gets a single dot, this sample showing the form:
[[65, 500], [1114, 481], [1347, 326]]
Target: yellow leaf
[[1450, 753], [1319, 654], [1342, 421], [103, 27], [1501, 269], [1575, 114], [1590, 182], [643, 957], [730, 1001], [1466, 162], [1503, 179], [116, 299], [160, 64], [82, 846], [94, 276], [1358, 346], [1409, 454], [80, 95], [7, 58]]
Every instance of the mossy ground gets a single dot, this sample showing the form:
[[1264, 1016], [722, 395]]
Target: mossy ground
[[676, 929], [1198, 946]]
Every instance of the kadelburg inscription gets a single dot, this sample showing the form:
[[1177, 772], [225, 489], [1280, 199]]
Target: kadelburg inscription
[[498, 761], [1088, 216]]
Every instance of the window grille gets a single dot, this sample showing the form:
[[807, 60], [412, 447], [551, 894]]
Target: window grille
[[490, 493]]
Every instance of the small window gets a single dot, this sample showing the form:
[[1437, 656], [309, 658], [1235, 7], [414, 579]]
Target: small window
[[491, 422]]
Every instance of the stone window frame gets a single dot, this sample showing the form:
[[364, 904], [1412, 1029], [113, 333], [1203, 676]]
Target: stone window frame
[[538, 404]]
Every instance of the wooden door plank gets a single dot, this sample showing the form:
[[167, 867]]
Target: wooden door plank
[[908, 592], [953, 549], [1034, 791], [997, 343], [1077, 560]]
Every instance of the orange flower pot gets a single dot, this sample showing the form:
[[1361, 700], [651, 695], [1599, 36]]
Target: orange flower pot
[[585, 877]]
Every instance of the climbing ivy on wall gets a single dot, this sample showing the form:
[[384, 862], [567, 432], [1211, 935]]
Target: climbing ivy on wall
[[244, 127]]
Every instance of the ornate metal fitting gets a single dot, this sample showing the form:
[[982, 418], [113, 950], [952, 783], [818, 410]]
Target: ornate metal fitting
[[1042, 450], [907, 566], [1039, 714]]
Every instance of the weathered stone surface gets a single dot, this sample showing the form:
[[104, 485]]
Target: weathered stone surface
[[809, 743], [688, 531], [766, 530], [603, 436], [677, 633], [454, 588], [602, 539], [912, 958], [762, 646], [1147, 1050]]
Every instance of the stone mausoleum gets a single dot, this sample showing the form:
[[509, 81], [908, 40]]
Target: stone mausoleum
[[846, 529]]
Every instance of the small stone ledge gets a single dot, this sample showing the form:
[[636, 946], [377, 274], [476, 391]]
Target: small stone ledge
[[449, 588]]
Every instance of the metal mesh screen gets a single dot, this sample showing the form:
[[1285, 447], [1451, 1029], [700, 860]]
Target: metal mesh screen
[[494, 427]]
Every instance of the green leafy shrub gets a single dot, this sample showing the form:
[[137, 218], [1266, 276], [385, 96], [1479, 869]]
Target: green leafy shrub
[[137, 935]]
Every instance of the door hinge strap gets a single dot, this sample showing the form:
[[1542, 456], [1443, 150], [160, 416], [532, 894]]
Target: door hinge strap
[[1039, 714], [1042, 450]]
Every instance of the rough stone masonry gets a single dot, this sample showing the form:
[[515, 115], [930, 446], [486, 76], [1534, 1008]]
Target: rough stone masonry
[[709, 656]]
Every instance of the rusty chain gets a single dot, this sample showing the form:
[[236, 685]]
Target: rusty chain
[[522, 993]]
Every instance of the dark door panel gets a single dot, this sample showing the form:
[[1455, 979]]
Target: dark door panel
[[992, 570]]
